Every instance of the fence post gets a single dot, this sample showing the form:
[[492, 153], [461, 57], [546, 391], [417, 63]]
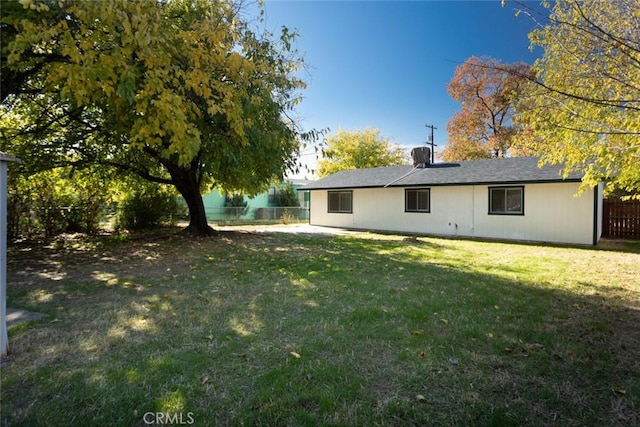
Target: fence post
[[4, 339]]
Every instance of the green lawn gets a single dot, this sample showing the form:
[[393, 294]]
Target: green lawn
[[359, 330]]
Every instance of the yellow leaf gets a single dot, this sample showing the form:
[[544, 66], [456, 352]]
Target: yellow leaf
[[619, 390], [296, 355]]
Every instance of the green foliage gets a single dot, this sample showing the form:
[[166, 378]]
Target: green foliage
[[147, 205], [359, 149], [584, 107], [235, 200], [184, 92], [54, 202], [236, 204], [287, 196]]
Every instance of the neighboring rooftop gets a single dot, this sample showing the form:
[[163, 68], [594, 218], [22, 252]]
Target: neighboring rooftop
[[510, 170]]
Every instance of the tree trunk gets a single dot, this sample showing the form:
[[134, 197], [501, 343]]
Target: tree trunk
[[189, 187], [198, 224]]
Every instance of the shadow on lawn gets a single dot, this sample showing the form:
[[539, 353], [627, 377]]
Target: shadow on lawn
[[293, 330]]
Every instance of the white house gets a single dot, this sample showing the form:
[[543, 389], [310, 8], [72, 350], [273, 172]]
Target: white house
[[504, 199]]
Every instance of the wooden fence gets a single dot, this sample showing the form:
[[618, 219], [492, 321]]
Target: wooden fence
[[621, 219]]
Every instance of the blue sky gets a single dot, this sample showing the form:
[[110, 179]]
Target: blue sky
[[385, 64]]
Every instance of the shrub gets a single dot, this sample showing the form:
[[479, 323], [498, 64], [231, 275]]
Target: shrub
[[147, 206], [235, 205], [287, 196], [55, 201], [287, 216]]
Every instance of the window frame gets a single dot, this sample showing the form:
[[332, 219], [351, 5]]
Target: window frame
[[340, 209], [506, 189], [417, 191]]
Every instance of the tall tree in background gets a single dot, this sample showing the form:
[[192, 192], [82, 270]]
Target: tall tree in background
[[180, 92], [584, 105], [359, 149], [485, 126]]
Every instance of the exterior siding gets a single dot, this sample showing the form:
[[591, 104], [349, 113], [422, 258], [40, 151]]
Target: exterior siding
[[552, 213]]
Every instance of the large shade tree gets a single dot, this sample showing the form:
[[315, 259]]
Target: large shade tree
[[485, 126], [364, 148], [181, 92], [584, 105]]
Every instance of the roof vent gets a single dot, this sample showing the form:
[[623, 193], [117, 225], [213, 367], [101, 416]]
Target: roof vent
[[421, 157]]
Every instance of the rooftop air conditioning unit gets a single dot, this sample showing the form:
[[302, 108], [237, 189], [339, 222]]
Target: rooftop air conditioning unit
[[421, 157]]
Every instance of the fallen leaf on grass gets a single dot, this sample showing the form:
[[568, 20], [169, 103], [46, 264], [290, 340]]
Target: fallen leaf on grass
[[533, 346], [619, 390], [294, 354], [443, 320]]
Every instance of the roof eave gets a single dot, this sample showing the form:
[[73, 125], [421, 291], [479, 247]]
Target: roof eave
[[448, 184]]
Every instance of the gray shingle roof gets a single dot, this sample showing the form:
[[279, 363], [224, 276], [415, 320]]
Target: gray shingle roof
[[488, 171]]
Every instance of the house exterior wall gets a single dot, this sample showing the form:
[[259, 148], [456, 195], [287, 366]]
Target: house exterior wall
[[214, 203], [552, 213]]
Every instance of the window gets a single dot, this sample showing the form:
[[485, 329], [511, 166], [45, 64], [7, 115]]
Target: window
[[340, 201], [417, 200], [272, 194], [506, 200]]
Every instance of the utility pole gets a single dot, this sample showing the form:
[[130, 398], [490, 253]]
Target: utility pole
[[430, 141]]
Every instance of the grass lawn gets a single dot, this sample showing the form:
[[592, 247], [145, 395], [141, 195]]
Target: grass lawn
[[290, 330]]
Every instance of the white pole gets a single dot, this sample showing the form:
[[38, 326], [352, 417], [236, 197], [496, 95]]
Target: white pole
[[4, 339]]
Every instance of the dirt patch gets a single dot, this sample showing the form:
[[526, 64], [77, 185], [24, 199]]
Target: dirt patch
[[619, 245], [15, 316], [77, 257]]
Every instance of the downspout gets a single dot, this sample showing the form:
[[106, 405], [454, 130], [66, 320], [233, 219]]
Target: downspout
[[596, 192]]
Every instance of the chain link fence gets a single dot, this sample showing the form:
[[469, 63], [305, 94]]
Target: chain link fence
[[263, 214]]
